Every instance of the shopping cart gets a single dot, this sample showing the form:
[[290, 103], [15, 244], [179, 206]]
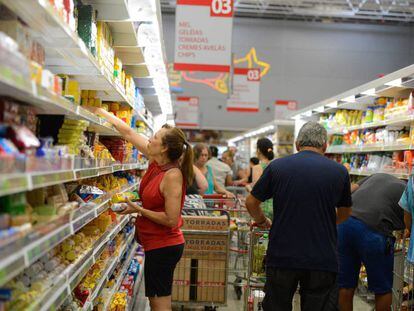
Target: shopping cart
[[256, 278], [403, 281], [240, 222], [201, 276]]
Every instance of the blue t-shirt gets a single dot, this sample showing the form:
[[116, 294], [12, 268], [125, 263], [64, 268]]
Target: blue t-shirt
[[306, 189], [407, 203]]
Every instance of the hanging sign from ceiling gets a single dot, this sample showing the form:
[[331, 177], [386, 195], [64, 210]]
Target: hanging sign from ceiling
[[187, 112], [246, 90], [203, 31], [284, 107]]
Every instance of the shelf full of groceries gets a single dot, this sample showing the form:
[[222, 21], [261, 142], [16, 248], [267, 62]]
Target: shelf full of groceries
[[64, 169]]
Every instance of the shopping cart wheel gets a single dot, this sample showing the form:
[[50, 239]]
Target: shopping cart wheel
[[238, 283]]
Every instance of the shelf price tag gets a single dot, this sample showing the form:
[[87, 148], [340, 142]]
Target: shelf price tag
[[11, 269], [203, 35], [87, 218], [13, 184], [35, 252], [40, 180], [246, 90], [86, 173]]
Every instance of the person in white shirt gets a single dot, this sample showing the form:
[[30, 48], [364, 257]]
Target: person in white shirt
[[221, 170]]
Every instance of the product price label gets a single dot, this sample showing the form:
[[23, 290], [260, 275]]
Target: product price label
[[54, 239], [187, 112], [246, 90], [47, 179], [203, 35], [13, 184]]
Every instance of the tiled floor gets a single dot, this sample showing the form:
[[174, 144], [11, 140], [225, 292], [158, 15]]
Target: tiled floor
[[238, 305]]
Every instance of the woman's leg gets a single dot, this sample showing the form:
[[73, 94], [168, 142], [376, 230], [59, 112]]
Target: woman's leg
[[159, 271], [160, 303]]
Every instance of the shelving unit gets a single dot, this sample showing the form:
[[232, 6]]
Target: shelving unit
[[71, 277], [280, 132], [67, 54], [393, 87], [21, 253], [14, 183]]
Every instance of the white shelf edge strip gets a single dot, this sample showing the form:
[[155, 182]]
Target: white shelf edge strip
[[368, 148], [28, 177]]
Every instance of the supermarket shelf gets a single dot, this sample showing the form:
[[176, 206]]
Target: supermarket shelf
[[121, 275], [14, 183], [143, 118], [368, 148], [139, 301], [369, 173], [396, 84], [105, 277], [70, 278], [112, 9], [66, 52], [402, 120], [50, 103], [27, 250]]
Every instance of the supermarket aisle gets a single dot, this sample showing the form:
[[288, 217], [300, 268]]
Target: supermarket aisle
[[237, 305]]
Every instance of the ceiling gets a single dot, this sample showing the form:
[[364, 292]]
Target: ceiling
[[351, 11]]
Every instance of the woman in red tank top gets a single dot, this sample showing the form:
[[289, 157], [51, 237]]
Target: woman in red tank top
[[162, 192]]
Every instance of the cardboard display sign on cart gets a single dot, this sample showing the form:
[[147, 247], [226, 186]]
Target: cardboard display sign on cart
[[203, 31], [187, 112], [246, 90]]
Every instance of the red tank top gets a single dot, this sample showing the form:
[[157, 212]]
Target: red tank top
[[151, 234]]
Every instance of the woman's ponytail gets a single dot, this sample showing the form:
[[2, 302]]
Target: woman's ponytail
[[187, 164], [265, 146], [178, 147]]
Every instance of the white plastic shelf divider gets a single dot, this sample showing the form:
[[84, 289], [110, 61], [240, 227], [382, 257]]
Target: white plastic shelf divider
[[368, 148], [12, 264], [73, 274], [19, 182], [401, 120]]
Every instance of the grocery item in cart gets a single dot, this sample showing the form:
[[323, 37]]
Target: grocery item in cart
[[259, 255]]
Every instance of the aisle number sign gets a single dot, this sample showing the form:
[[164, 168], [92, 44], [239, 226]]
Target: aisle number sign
[[187, 112], [246, 90], [283, 107], [203, 31]]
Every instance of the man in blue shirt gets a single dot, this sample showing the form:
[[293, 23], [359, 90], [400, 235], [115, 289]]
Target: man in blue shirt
[[311, 195]]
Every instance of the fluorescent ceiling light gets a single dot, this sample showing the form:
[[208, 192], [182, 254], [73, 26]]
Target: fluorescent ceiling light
[[319, 109], [333, 104], [396, 82], [369, 92], [349, 99], [307, 113]]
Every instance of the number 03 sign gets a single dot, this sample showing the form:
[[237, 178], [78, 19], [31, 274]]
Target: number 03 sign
[[203, 31], [246, 90]]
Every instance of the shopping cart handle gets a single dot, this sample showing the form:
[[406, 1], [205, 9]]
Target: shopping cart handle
[[214, 196]]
